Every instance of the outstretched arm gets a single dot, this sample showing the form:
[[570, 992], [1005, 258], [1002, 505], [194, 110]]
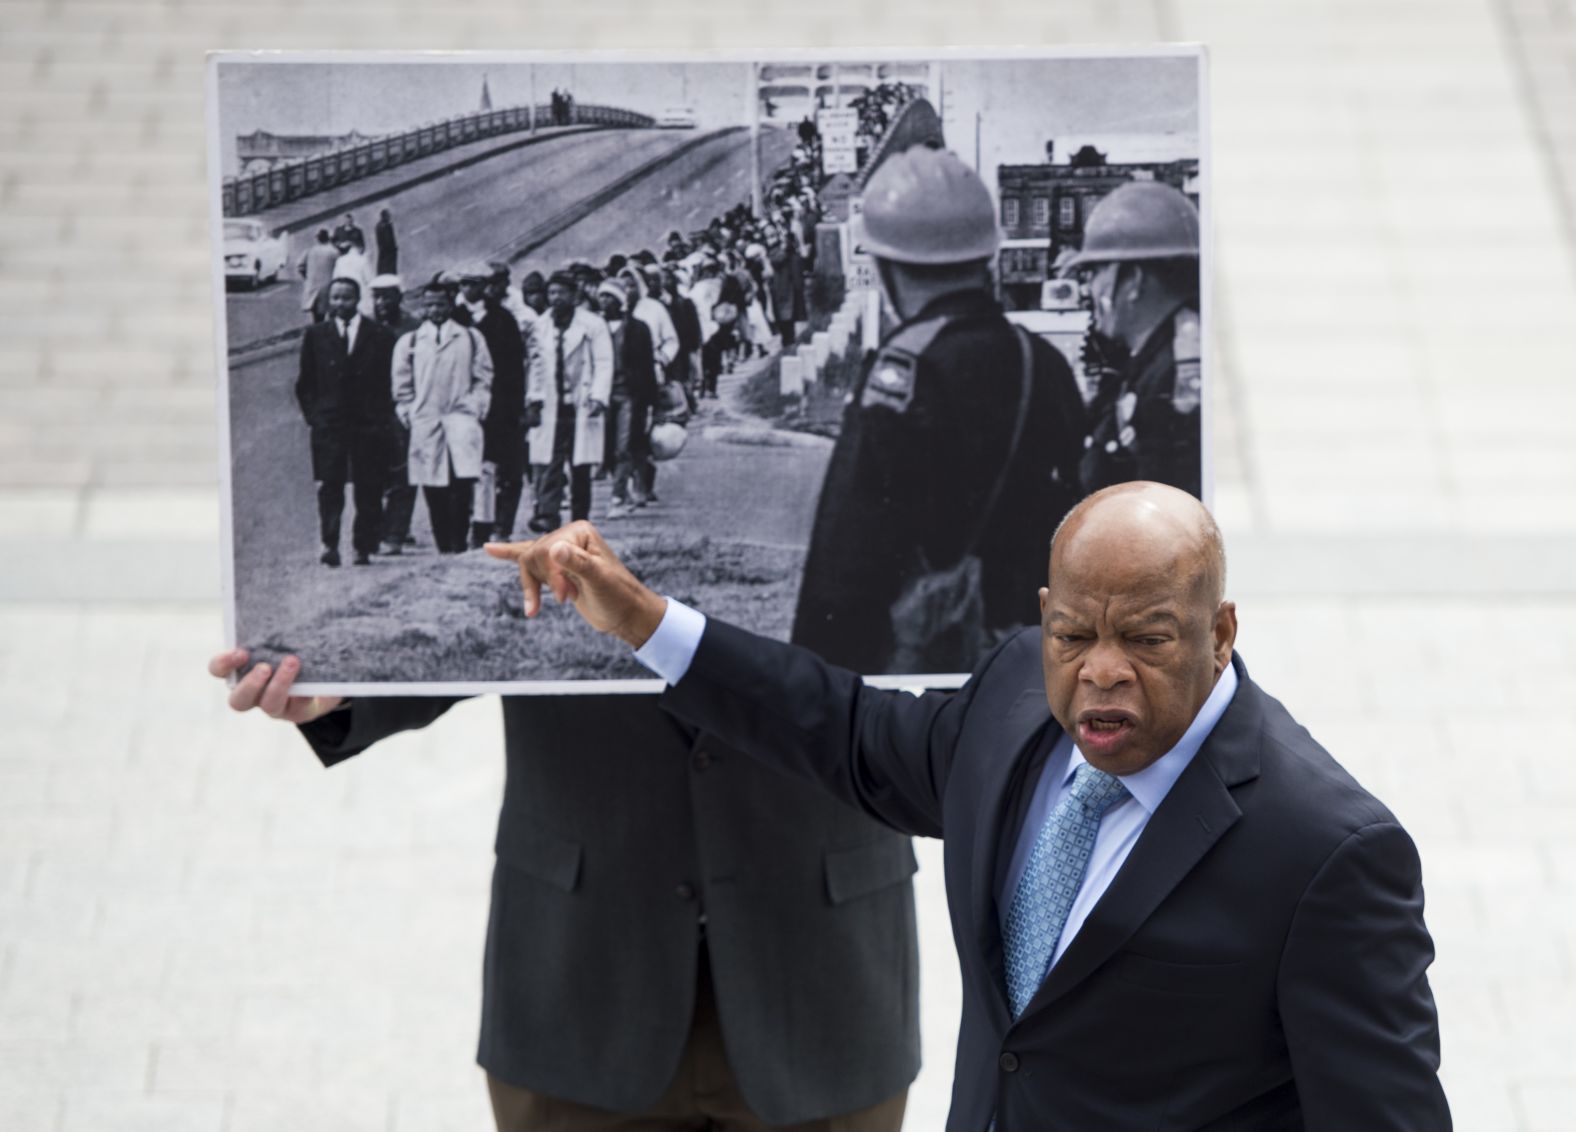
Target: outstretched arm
[[887, 752]]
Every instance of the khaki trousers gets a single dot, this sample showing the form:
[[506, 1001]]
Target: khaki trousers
[[703, 1096]]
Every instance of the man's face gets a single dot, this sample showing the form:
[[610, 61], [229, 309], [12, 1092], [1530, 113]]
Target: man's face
[[1108, 285], [472, 289], [496, 289], [439, 307], [1133, 640], [535, 298], [386, 304], [612, 309], [342, 300], [631, 291], [560, 298]]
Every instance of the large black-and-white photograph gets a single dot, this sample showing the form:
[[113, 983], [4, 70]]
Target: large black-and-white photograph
[[825, 347]]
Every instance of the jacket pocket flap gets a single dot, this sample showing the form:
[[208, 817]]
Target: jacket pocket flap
[[543, 856], [851, 873]]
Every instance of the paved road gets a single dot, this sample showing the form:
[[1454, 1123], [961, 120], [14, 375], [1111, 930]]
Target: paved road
[[736, 480], [476, 211]]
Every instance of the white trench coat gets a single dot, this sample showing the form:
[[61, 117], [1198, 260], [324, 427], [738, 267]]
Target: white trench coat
[[442, 386], [588, 377]]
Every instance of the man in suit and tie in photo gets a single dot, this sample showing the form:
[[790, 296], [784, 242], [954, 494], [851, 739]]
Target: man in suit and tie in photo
[[343, 391], [1173, 908]]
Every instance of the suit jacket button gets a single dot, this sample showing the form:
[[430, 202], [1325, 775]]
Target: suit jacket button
[[684, 892], [702, 760], [1009, 1063]]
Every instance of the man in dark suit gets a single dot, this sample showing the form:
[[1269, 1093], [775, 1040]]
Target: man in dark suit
[[504, 426], [1173, 909], [344, 393], [629, 408]]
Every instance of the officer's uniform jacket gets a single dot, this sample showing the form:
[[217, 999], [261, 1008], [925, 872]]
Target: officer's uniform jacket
[[1149, 427], [923, 442]]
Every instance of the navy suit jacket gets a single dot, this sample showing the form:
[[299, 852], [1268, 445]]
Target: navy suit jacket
[[1259, 961]]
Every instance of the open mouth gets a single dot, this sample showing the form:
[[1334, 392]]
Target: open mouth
[[1103, 729]]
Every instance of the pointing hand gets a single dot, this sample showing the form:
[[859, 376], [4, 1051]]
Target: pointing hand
[[578, 566]]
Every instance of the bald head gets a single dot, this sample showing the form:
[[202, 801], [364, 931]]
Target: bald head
[[1142, 520], [1136, 631]]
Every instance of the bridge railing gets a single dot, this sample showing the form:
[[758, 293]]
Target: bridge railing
[[254, 192]]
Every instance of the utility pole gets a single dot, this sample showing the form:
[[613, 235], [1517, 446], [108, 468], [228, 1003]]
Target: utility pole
[[755, 137]]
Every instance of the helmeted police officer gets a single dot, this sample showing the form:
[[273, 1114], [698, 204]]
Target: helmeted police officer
[[958, 452], [1140, 263]]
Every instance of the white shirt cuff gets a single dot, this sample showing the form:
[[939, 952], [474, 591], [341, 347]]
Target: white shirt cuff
[[671, 648]]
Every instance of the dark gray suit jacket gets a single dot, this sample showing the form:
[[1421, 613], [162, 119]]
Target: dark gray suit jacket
[[1258, 962], [620, 829]]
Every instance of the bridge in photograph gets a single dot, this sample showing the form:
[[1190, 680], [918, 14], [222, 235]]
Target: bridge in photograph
[[535, 202]]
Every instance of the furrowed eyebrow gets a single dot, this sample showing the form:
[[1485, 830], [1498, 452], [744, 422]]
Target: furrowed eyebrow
[[1158, 616]]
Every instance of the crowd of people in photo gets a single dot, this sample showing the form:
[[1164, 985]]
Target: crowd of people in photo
[[489, 389]]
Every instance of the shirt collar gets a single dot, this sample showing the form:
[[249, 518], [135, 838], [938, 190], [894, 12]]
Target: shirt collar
[[1150, 786]]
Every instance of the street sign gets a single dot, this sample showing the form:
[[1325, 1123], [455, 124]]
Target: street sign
[[839, 146]]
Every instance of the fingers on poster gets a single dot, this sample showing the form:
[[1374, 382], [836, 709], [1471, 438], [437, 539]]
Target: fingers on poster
[[468, 297]]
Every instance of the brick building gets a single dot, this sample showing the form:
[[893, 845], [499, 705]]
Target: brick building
[[1044, 207]]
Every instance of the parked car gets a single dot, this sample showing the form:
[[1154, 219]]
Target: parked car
[[252, 254], [676, 118]]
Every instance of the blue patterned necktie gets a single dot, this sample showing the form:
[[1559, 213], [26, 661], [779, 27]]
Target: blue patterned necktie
[[1051, 880]]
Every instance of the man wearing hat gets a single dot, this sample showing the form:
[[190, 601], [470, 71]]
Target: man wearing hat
[[399, 497], [1140, 264], [471, 305], [533, 294], [442, 387], [567, 391], [958, 451]]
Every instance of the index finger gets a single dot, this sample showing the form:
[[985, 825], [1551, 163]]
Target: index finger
[[520, 554]]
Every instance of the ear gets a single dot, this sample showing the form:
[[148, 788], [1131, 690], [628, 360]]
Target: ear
[[1225, 634]]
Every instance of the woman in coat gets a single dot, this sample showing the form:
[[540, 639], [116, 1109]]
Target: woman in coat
[[570, 383], [442, 388]]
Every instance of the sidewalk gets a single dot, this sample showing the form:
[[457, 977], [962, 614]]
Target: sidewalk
[[201, 929]]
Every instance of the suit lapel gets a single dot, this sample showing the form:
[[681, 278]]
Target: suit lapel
[[1195, 815], [1023, 731]]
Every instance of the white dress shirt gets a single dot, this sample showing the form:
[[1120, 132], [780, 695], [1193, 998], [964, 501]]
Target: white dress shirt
[[1122, 823], [349, 330], [672, 647]]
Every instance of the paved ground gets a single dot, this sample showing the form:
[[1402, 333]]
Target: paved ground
[[199, 929]]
